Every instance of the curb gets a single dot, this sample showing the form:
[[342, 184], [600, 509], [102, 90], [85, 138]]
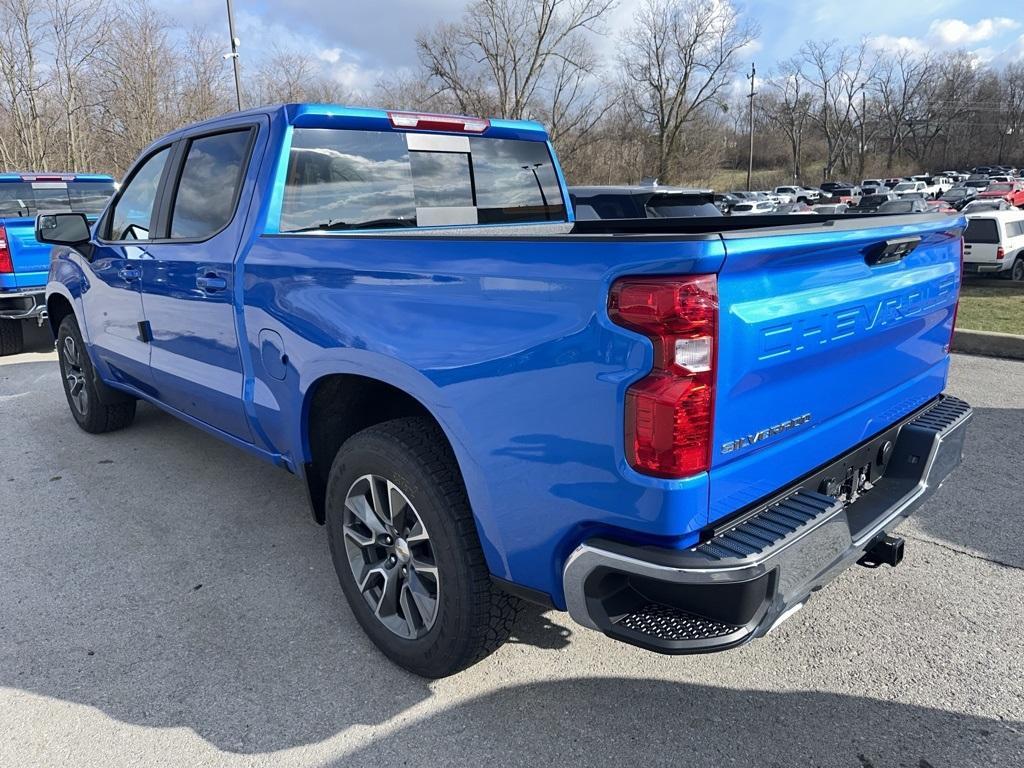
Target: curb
[[989, 344]]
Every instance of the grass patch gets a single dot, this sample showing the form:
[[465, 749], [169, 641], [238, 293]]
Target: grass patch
[[987, 307]]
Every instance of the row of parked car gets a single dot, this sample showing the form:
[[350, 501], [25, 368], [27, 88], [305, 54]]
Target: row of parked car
[[988, 196]]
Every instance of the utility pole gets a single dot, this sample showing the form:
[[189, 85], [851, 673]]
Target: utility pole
[[750, 158], [234, 56], [862, 160]]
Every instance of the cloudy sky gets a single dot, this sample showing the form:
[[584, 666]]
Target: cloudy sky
[[357, 41]]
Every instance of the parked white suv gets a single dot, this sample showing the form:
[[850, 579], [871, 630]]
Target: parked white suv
[[994, 243], [905, 188], [799, 194]]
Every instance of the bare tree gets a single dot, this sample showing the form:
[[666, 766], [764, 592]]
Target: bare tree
[[899, 84], [79, 30], [205, 81], [787, 106], [290, 76], [136, 82], [22, 40], [835, 74], [676, 63], [521, 59]]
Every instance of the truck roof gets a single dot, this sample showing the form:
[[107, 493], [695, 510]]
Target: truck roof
[[627, 189], [54, 176], [308, 115]]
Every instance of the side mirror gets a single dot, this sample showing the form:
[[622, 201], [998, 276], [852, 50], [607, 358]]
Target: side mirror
[[62, 228]]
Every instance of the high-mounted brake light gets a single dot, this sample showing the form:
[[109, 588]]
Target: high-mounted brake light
[[428, 122], [6, 265], [669, 413], [43, 177]]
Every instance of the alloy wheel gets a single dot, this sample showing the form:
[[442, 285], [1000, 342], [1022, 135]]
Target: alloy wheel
[[74, 375], [391, 557]]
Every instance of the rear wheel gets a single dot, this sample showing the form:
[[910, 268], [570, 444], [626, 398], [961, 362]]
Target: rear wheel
[[406, 551], [1017, 271], [96, 407], [12, 340]]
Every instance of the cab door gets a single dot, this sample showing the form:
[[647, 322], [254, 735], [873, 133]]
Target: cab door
[[112, 300], [188, 281]]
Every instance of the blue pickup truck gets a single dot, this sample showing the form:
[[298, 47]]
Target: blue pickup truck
[[675, 429], [25, 262]]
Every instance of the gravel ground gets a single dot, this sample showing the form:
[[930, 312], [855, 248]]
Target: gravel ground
[[167, 600]]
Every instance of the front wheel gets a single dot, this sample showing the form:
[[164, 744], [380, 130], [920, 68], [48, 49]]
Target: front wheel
[[96, 407], [406, 550]]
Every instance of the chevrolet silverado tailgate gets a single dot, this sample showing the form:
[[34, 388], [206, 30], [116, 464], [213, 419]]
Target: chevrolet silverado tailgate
[[828, 334]]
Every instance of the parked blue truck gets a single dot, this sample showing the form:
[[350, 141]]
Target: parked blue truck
[[676, 430], [25, 262]]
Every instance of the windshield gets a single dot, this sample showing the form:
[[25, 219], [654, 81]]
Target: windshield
[[906, 185], [1000, 188], [25, 199], [986, 205]]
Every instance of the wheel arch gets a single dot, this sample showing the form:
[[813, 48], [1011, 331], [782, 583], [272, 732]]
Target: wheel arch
[[58, 306], [337, 406]]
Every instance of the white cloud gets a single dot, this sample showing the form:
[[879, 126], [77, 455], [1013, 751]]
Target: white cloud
[[750, 48], [330, 55], [890, 44], [958, 32]]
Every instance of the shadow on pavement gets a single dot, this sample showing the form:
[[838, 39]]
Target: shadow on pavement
[[629, 722], [38, 338], [973, 509], [169, 580]]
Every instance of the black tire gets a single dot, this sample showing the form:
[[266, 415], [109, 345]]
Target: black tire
[[471, 618], [12, 339], [96, 407], [1017, 270]]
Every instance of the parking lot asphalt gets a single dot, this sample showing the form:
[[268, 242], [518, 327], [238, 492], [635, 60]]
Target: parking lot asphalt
[[167, 600]]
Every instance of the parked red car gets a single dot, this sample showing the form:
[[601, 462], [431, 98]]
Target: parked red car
[[1010, 191]]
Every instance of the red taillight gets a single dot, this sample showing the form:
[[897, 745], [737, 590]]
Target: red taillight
[[669, 413], [1000, 253], [426, 122], [6, 266]]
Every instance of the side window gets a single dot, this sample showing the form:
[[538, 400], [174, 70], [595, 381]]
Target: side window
[[210, 179], [133, 211]]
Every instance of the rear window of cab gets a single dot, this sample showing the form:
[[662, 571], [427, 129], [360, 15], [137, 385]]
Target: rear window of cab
[[341, 179]]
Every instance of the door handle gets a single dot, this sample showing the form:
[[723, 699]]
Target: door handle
[[128, 274], [211, 283]]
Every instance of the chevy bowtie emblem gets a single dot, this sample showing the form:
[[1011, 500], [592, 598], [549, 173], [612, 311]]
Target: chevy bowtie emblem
[[763, 434]]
